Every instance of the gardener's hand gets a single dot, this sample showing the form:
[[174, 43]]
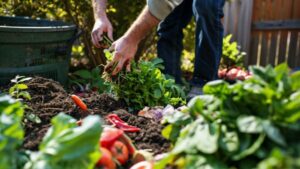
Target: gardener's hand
[[124, 51], [102, 25]]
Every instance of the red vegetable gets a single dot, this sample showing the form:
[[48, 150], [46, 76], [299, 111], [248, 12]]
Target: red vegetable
[[79, 102], [119, 123], [232, 73], [106, 160], [120, 152], [241, 75], [126, 140], [109, 136], [143, 165]]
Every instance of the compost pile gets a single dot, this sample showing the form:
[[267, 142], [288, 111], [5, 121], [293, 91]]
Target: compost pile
[[49, 98]]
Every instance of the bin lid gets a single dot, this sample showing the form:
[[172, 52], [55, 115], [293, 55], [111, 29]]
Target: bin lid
[[26, 24]]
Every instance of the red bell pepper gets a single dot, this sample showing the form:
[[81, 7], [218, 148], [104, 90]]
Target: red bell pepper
[[119, 123]]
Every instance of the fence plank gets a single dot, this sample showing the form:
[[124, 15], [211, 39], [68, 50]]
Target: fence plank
[[264, 48], [282, 46], [298, 51], [293, 49], [273, 47], [244, 27], [254, 48], [287, 9], [296, 11]]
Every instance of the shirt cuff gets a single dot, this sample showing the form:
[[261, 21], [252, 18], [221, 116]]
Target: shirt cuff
[[160, 8]]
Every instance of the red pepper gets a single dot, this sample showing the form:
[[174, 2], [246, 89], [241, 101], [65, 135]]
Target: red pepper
[[119, 123]]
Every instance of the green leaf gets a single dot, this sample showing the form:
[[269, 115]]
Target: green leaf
[[255, 146], [157, 61], [11, 132], [21, 86], [34, 118], [273, 133], [85, 74], [295, 80], [171, 132], [67, 146], [199, 136], [157, 93], [108, 55], [196, 105], [24, 79], [249, 124], [25, 95], [229, 140], [215, 87], [203, 162]]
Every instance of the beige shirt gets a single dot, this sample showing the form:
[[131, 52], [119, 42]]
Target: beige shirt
[[162, 8]]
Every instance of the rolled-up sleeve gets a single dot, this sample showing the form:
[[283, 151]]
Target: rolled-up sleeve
[[162, 8]]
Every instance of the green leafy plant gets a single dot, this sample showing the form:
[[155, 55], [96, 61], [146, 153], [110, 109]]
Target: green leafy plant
[[145, 85], [67, 146], [18, 90], [89, 80], [250, 124], [11, 132], [231, 54]]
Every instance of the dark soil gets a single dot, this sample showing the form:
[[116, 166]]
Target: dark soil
[[149, 137], [49, 98]]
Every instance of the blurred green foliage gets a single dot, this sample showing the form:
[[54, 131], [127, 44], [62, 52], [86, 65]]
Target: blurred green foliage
[[231, 54], [80, 13], [120, 14]]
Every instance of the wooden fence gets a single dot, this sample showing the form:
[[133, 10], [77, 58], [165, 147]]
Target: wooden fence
[[268, 30]]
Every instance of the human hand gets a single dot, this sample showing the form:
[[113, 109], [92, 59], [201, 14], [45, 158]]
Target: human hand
[[102, 25], [124, 51]]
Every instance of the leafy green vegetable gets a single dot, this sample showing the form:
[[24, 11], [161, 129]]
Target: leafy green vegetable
[[11, 133], [231, 54], [18, 90], [249, 124], [145, 85], [89, 80], [67, 146]]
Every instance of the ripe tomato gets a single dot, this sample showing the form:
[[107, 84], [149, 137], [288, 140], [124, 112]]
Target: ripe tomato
[[232, 73], [106, 160], [120, 152], [109, 136], [143, 165]]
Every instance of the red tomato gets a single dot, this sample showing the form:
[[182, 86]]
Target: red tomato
[[106, 160], [109, 136], [120, 152], [232, 73], [143, 165], [126, 140]]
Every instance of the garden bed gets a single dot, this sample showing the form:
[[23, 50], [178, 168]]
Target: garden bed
[[49, 98]]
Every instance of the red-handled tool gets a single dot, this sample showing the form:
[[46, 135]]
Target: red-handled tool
[[119, 123]]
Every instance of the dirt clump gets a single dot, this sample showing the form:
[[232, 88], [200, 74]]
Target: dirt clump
[[149, 137], [48, 99]]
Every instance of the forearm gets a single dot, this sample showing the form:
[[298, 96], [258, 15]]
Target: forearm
[[143, 25], [99, 7]]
